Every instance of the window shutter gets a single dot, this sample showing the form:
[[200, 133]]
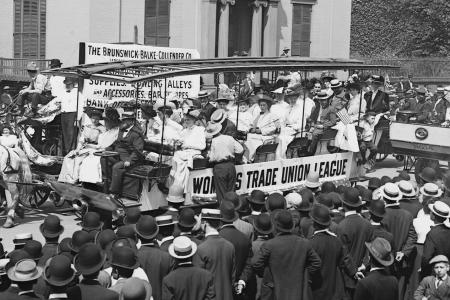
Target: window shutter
[[301, 29], [156, 29]]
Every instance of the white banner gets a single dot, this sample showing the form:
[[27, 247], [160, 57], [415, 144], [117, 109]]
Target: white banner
[[99, 94], [275, 175]]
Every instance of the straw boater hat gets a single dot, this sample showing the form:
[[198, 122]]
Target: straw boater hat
[[440, 209], [381, 251], [218, 116], [182, 248], [22, 238], [407, 189], [390, 191], [210, 214], [165, 220], [431, 190]]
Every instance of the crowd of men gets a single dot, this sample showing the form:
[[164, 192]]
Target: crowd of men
[[387, 241]]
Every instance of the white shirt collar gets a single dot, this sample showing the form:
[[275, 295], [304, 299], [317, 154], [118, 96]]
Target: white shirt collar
[[255, 213], [55, 295], [212, 232], [167, 238], [375, 269], [227, 225], [375, 223], [25, 292], [349, 213], [324, 231], [392, 204], [443, 278]]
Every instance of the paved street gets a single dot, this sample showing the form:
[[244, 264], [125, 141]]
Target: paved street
[[34, 218]]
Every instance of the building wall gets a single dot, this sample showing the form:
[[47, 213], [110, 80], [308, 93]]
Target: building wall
[[133, 12], [6, 28], [185, 23]]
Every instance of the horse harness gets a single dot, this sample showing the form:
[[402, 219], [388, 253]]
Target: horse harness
[[8, 163]]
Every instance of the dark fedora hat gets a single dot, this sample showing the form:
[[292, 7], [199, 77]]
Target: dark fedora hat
[[126, 231], [148, 110], [263, 224], [186, 218], [79, 239], [228, 212], [132, 215], [320, 214], [147, 228], [124, 257], [385, 179], [326, 199], [244, 207], [374, 183], [55, 63], [58, 271], [105, 237], [381, 251], [51, 227], [428, 174], [90, 259], [377, 79], [257, 197], [352, 198], [275, 201], [91, 221], [328, 187], [34, 248], [378, 208], [283, 221]]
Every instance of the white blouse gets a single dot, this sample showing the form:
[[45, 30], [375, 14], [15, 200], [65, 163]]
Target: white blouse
[[193, 138]]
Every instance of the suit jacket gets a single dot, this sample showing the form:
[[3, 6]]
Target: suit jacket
[[378, 285], [335, 258], [156, 264], [208, 110], [399, 222], [216, 255], [413, 206], [289, 260], [354, 231], [91, 289], [427, 288], [437, 242], [130, 147], [382, 232], [424, 110], [380, 103], [410, 104], [245, 227], [228, 128], [26, 296], [187, 282], [327, 118], [440, 110]]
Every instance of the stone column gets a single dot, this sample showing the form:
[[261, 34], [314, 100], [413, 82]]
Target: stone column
[[270, 41], [258, 5], [224, 22]]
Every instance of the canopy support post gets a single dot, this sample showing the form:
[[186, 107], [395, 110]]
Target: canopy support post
[[163, 123]]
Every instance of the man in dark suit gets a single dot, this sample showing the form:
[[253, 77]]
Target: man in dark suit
[[129, 145], [400, 223], [156, 263], [186, 223], [207, 108], [58, 274], [216, 255], [353, 231], [286, 261], [51, 229], [88, 262], [377, 100], [436, 286], [187, 282], [378, 284], [377, 211], [242, 249], [333, 254], [409, 201], [437, 240], [166, 225]]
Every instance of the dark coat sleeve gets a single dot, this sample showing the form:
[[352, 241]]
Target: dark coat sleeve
[[248, 272], [361, 292], [420, 292], [429, 250], [138, 145], [261, 259], [410, 243], [314, 262], [211, 291], [346, 263], [167, 293]]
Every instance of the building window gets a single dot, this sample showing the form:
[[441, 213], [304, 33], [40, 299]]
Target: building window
[[301, 29], [29, 28], [156, 31]]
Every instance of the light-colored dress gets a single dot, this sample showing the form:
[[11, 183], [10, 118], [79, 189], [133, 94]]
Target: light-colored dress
[[193, 141], [354, 109], [87, 143], [9, 141], [267, 124], [245, 120]]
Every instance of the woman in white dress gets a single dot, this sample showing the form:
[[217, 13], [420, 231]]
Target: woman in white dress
[[191, 143], [263, 127], [356, 107], [89, 136], [8, 139]]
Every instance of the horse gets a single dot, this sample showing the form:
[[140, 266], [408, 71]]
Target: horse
[[14, 169]]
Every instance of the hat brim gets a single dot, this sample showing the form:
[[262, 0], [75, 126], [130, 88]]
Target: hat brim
[[175, 255], [390, 198], [430, 206], [262, 231], [423, 192], [13, 277], [357, 204], [50, 235], [135, 266], [89, 270], [385, 263], [147, 237], [312, 185], [281, 229], [54, 282], [234, 218], [251, 200], [175, 199], [427, 180], [319, 221], [88, 229]]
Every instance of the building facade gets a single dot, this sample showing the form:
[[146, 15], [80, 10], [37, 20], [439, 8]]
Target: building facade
[[34, 29]]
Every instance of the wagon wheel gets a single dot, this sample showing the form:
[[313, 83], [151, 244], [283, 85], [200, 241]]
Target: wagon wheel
[[36, 197], [381, 156]]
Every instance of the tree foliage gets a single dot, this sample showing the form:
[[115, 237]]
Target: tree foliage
[[386, 28]]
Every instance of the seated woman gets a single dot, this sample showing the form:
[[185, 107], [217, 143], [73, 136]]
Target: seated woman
[[191, 142], [294, 121], [244, 119], [263, 128], [8, 139], [89, 136]]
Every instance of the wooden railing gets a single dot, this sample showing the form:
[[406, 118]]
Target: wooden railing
[[15, 68]]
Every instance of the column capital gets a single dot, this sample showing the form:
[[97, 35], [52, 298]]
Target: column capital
[[259, 3], [226, 2]]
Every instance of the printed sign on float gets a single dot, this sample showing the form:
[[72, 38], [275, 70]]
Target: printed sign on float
[[100, 94], [275, 175]]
